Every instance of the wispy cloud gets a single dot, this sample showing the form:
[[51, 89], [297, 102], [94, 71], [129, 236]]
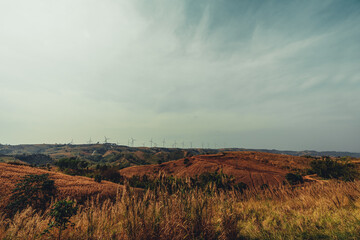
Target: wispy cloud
[[234, 71]]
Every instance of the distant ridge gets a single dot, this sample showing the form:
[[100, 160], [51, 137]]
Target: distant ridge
[[52, 148], [301, 153]]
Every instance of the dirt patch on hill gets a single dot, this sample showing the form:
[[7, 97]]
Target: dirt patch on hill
[[252, 168]]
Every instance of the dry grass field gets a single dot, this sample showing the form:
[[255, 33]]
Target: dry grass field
[[314, 211]]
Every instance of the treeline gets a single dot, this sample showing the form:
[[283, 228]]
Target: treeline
[[327, 168], [76, 166]]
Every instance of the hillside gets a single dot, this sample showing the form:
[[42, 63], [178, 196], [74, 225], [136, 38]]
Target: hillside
[[123, 156], [252, 168], [76, 187]]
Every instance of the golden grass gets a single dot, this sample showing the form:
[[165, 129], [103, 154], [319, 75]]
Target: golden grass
[[75, 187], [328, 211]]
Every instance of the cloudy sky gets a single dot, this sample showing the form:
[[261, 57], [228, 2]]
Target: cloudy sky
[[254, 74]]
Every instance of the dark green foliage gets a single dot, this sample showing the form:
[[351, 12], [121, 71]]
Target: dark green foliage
[[113, 175], [241, 187], [294, 178], [36, 159], [61, 212], [219, 179], [329, 168], [32, 190], [72, 165], [98, 178], [186, 161]]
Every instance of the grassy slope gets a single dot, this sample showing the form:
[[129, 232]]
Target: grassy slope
[[317, 211], [252, 168], [68, 186]]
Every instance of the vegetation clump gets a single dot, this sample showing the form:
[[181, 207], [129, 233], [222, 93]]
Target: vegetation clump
[[32, 190], [61, 212], [329, 168], [294, 178], [206, 180]]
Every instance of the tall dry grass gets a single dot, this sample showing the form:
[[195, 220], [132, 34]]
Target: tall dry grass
[[318, 211]]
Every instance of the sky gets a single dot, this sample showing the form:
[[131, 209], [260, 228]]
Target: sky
[[254, 74]]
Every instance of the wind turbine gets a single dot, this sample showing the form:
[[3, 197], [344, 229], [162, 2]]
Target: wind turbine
[[90, 141], [72, 141], [174, 145], [191, 145], [183, 144], [132, 142], [163, 142], [106, 139], [151, 142]]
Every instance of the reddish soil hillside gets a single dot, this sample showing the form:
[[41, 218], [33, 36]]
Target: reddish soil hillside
[[252, 168], [73, 186]]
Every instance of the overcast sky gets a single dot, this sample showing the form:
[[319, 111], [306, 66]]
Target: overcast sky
[[253, 74]]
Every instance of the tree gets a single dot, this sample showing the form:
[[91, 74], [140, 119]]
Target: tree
[[32, 190], [62, 211]]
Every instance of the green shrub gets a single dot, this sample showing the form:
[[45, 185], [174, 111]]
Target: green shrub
[[112, 175], [72, 163], [329, 168], [62, 211], [32, 190], [241, 186], [294, 178], [98, 178]]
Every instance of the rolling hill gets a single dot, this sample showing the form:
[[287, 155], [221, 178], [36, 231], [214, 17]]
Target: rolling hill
[[252, 168]]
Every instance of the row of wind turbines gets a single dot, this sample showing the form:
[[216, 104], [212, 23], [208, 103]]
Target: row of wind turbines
[[152, 143]]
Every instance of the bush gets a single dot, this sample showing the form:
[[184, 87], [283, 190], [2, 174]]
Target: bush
[[71, 163], [98, 178], [32, 190], [241, 186], [112, 175], [294, 178], [62, 211], [328, 168]]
